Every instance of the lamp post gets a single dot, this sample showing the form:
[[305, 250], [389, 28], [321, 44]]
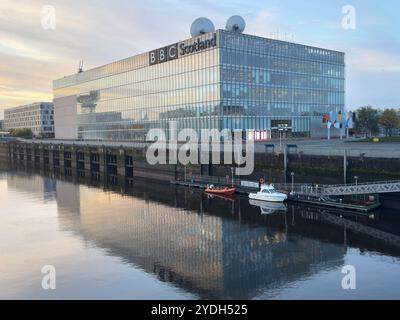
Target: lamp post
[[356, 179], [281, 127], [232, 170], [292, 174]]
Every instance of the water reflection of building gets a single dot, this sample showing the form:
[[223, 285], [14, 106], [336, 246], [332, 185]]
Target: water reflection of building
[[210, 247], [68, 204], [212, 255], [32, 184]]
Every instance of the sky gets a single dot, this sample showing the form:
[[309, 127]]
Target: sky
[[99, 32]]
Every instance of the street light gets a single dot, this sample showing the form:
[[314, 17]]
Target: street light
[[232, 170], [281, 127], [356, 178]]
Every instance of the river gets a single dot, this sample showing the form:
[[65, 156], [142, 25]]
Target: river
[[155, 241]]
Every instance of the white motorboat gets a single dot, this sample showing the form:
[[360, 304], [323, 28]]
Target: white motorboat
[[268, 193], [269, 207]]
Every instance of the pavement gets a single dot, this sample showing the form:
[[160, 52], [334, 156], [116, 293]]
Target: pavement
[[336, 147]]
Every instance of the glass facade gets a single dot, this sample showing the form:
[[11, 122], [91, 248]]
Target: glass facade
[[265, 80], [242, 83]]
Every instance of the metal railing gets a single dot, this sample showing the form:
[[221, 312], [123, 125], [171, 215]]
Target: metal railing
[[210, 180], [363, 188], [301, 188], [372, 187]]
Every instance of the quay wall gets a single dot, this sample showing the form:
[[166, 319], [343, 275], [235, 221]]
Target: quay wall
[[130, 162]]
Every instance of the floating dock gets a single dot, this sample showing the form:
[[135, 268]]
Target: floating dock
[[304, 193], [366, 207]]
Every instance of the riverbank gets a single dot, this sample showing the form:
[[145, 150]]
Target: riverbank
[[130, 161]]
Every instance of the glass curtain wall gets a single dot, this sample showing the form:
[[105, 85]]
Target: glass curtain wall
[[244, 83], [264, 79], [123, 100]]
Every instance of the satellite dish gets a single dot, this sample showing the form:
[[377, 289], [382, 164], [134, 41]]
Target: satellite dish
[[201, 26], [235, 24]]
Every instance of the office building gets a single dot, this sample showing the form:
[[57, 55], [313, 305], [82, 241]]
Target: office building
[[38, 116], [220, 79]]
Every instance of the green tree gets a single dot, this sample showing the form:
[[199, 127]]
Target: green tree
[[21, 133], [389, 120], [367, 120]]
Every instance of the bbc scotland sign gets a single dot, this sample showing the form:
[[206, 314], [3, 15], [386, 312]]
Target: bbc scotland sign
[[163, 54], [180, 49]]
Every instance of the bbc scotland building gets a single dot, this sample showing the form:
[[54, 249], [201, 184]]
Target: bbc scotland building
[[218, 80]]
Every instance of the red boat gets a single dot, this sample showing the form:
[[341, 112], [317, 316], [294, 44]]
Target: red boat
[[221, 191], [231, 198]]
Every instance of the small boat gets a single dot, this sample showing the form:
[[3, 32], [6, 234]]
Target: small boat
[[221, 191], [268, 193]]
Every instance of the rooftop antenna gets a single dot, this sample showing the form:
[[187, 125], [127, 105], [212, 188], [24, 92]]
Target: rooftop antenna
[[201, 26], [235, 24], [80, 68]]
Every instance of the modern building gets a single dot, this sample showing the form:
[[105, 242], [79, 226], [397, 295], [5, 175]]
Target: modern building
[[221, 79], [37, 116], [1, 125]]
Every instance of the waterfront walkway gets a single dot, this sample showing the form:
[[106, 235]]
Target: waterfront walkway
[[336, 147]]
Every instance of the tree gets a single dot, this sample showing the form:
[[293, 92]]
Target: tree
[[389, 120], [367, 120], [21, 133]]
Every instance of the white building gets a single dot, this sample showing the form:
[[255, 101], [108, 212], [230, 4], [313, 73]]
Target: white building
[[38, 116]]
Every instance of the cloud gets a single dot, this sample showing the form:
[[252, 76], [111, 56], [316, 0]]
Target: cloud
[[20, 48], [264, 23], [370, 60], [101, 31], [98, 32]]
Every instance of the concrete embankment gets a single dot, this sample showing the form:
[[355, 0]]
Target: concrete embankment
[[130, 162]]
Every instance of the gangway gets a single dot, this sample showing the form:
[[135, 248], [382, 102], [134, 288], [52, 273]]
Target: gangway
[[326, 190], [335, 195], [362, 188]]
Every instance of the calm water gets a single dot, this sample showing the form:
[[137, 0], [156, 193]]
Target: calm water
[[154, 241]]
